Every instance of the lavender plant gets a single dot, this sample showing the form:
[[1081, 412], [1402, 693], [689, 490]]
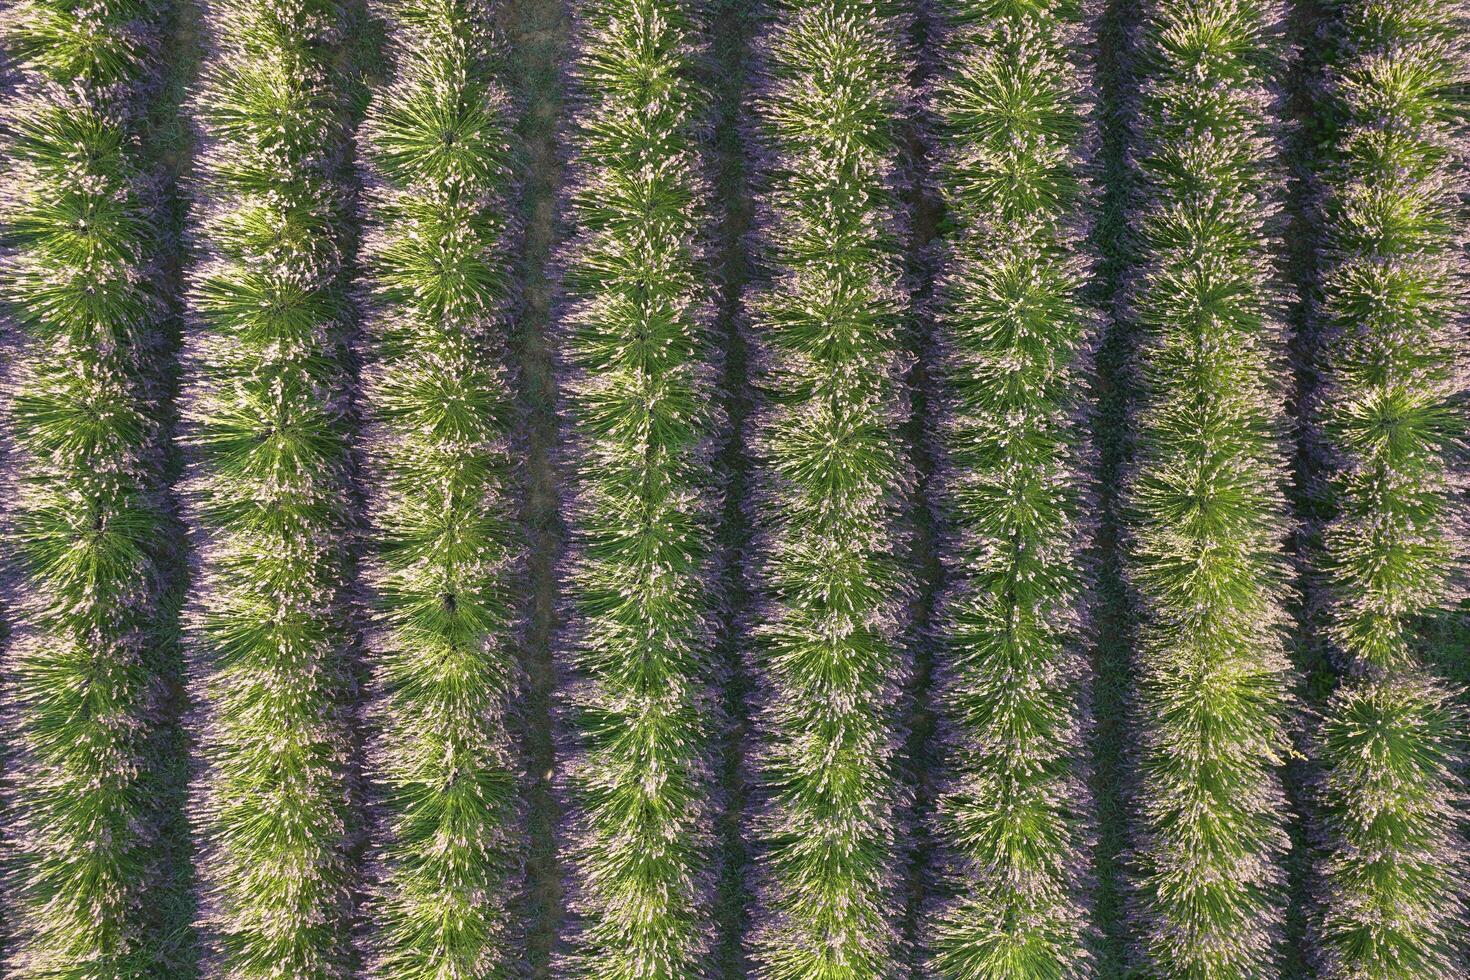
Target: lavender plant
[[642, 415], [831, 474], [1390, 414], [1014, 339], [87, 533], [445, 550], [266, 405], [1203, 505]]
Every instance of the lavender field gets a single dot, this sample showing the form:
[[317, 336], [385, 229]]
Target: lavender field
[[692, 489]]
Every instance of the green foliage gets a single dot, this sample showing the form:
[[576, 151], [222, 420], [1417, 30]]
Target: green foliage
[[107, 48], [642, 414], [445, 549], [1203, 506], [832, 474], [1391, 416], [87, 534], [1012, 335], [265, 401]]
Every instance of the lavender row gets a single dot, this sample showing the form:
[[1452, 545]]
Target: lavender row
[[829, 574], [1014, 335], [639, 363], [1388, 417], [89, 541], [443, 559], [268, 432], [1203, 506]]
